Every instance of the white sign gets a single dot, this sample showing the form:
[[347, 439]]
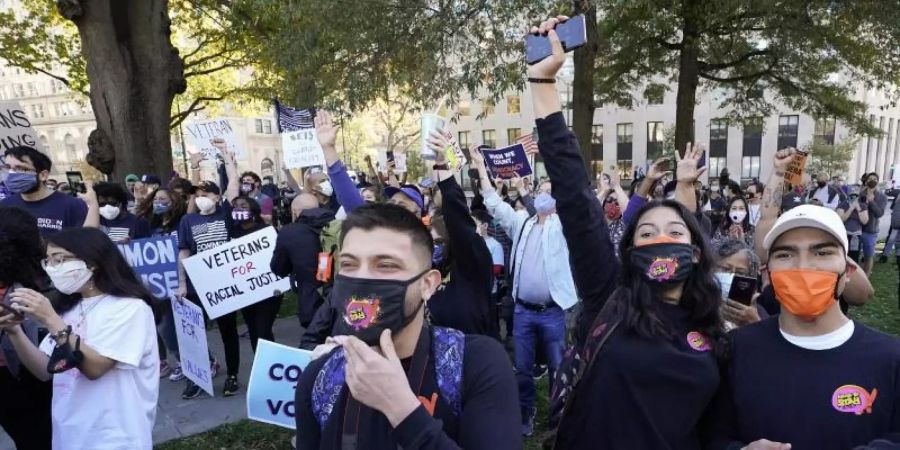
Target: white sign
[[400, 162], [276, 371], [15, 128], [301, 149], [191, 332], [201, 134], [234, 275]]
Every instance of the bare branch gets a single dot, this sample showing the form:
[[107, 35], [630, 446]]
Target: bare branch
[[177, 119], [188, 65], [224, 66], [705, 66], [736, 78]]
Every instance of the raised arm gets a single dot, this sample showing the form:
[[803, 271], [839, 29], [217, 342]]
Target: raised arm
[[232, 189], [771, 199], [291, 181], [92, 220], [510, 220], [344, 189], [688, 173], [595, 267]]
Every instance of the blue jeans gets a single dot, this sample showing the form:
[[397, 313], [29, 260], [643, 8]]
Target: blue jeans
[[889, 242], [530, 329]]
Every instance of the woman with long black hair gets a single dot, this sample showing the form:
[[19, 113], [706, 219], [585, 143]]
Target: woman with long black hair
[[735, 224], [101, 351], [650, 331], [163, 210], [25, 405]]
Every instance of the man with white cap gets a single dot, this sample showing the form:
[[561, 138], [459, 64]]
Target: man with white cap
[[810, 378]]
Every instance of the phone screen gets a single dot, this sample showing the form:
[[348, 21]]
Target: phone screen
[[571, 32], [76, 181], [742, 289]]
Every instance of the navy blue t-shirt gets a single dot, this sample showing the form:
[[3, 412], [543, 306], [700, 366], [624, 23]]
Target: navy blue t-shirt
[[128, 226], [54, 212], [812, 399], [199, 233]]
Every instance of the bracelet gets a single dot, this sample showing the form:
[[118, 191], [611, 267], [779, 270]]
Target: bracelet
[[62, 334], [443, 166], [542, 80]]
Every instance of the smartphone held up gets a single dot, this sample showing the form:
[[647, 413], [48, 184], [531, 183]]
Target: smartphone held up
[[572, 34]]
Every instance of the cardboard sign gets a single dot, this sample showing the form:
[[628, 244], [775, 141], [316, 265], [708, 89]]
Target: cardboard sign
[[273, 380], [193, 349], [201, 134], [155, 260], [507, 162], [456, 159], [234, 275], [794, 172], [430, 122], [301, 149], [15, 128], [400, 163]]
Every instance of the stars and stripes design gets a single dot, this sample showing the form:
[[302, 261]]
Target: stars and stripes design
[[527, 141], [290, 119], [117, 234], [210, 234]]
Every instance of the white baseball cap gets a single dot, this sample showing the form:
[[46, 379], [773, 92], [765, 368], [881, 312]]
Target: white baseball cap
[[808, 216]]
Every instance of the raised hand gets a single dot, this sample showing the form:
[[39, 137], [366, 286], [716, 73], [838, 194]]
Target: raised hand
[[615, 177], [477, 157], [783, 157], [326, 130], [438, 143], [89, 197], [657, 170], [548, 68], [196, 158], [604, 183], [688, 172]]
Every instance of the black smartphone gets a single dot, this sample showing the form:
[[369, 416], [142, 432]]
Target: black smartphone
[[742, 289], [76, 182], [5, 309], [390, 160], [572, 34]]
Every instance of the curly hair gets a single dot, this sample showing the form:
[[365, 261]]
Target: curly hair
[[21, 248], [167, 222]]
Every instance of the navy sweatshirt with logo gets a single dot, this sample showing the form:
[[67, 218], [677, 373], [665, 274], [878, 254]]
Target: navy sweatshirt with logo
[[641, 393], [812, 399]]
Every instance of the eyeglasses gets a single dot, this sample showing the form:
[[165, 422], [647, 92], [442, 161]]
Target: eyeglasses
[[24, 171], [55, 260]]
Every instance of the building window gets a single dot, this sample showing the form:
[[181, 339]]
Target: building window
[[787, 131], [513, 104], [18, 90], [267, 126], [654, 140], [624, 138], [465, 108], [258, 126], [716, 164], [718, 139], [45, 142], [4, 95], [597, 143], [824, 131], [57, 86], [463, 139], [69, 145], [63, 109], [655, 94], [625, 103], [512, 134], [487, 106], [752, 137], [750, 167], [624, 132], [37, 111], [32, 89], [489, 138]]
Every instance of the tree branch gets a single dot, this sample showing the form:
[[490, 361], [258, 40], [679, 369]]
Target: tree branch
[[705, 66], [736, 78], [667, 44], [177, 119], [224, 66], [188, 65]]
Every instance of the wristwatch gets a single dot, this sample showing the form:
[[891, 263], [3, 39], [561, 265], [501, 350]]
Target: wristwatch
[[62, 335], [443, 166]]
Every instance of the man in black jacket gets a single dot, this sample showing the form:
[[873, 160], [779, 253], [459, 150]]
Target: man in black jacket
[[297, 250]]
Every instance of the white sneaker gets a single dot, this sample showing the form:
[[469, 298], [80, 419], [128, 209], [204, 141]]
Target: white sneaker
[[177, 374]]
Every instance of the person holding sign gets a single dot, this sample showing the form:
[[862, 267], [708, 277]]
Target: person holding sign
[[101, 351], [204, 230], [395, 381], [28, 170]]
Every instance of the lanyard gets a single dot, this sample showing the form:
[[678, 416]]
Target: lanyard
[[415, 374]]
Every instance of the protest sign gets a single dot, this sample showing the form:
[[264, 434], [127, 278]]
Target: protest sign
[[15, 128], [794, 172], [234, 275], [430, 122], [454, 155], [201, 134], [273, 380], [301, 149], [400, 163], [192, 347], [507, 162], [155, 260]]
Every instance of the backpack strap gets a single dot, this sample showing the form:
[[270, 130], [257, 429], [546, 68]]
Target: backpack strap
[[328, 386], [449, 347]]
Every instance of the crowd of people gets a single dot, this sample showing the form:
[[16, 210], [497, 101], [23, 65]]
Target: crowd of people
[[668, 314]]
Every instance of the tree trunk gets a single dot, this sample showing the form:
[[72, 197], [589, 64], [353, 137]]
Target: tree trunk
[[583, 83], [134, 73], [688, 78]]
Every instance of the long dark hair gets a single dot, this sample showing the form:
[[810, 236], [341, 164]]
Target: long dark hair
[[635, 303], [726, 221], [112, 274], [169, 221], [21, 250]]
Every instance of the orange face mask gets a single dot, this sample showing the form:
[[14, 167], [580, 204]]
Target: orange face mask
[[805, 293]]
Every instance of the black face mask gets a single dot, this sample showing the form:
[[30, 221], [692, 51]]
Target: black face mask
[[871, 184], [663, 263], [821, 184], [370, 306]]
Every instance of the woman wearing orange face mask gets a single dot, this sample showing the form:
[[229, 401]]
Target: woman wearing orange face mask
[[650, 332]]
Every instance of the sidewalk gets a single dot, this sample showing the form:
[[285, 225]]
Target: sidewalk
[[177, 418]]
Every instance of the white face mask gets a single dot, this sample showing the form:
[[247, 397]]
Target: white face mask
[[110, 212], [725, 279], [205, 205], [325, 188], [69, 276], [737, 216]]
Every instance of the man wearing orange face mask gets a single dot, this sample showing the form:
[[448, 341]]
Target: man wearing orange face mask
[[810, 378]]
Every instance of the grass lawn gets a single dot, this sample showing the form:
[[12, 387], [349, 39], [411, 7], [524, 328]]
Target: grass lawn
[[882, 313]]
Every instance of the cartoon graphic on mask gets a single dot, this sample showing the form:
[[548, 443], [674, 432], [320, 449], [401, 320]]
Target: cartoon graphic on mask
[[360, 313], [850, 398], [662, 269], [698, 341]]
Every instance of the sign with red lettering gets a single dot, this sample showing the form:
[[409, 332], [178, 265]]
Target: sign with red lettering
[[234, 275]]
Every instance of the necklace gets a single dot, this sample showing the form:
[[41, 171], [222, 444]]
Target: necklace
[[84, 313]]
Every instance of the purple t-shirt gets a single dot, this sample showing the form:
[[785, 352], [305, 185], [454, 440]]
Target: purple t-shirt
[[54, 213]]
